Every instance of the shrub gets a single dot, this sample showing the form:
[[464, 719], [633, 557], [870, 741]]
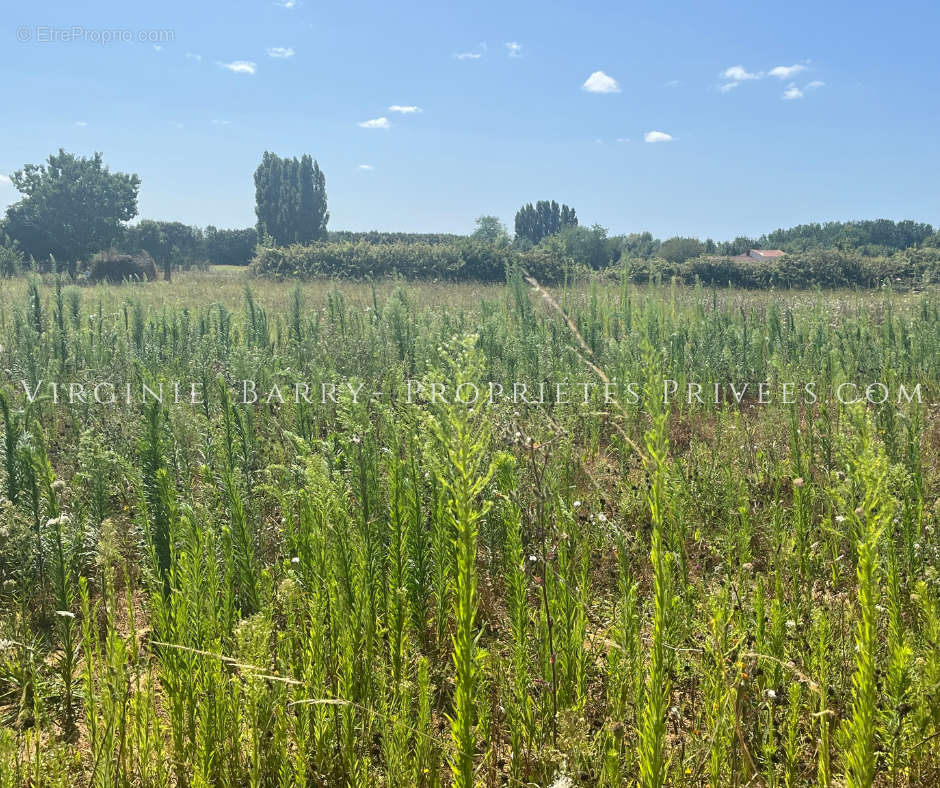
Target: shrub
[[379, 237], [113, 266], [461, 261], [813, 268]]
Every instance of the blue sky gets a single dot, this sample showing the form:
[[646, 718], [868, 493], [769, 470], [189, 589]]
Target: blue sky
[[505, 116]]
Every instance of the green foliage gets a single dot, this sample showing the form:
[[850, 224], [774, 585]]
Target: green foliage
[[490, 230], [815, 268], [230, 247], [678, 250], [380, 592], [379, 237], [168, 243], [877, 237], [467, 260], [113, 266], [589, 246], [290, 199], [11, 258], [72, 207], [653, 759], [535, 222]]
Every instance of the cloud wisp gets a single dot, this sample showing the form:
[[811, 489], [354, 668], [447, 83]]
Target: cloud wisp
[[241, 66], [514, 49], [405, 109], [657, 136], [375, 123], [472, 54], [280, 52], [366, 167]]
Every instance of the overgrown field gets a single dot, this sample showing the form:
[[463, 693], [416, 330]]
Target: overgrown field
[[372, 591]]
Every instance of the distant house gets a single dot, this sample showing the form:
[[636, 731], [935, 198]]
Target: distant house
[[759, 254]]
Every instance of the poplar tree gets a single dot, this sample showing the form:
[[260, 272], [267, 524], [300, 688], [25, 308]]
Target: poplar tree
[[290, 199], [535, 222]]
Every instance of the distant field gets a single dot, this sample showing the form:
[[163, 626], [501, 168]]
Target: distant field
[[397, 588]]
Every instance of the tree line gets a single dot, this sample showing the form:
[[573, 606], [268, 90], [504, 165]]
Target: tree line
[[75, 207]]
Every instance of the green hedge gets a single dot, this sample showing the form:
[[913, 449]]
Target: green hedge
[[466, 260], [381, 237], [471, 260], [815, 268]]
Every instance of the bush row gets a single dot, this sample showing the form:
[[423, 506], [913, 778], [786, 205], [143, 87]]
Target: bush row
[[459, 261], [814, 268], [382, 237], [469, 259]]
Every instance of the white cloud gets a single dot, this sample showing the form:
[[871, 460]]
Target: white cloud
[[157, 48], [599, 82], [81, 123], [5, 179], [787, 72], [193, 56], [280, 52], [241, 66], [735, 75], [406, 109], [658, 136], [513, 49], [288, 3], [739, 74], [376, 123], [366, 167]]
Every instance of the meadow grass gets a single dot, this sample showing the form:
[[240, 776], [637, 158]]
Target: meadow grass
[[376, 592]]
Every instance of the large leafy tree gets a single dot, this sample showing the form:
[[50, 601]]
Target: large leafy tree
[[678, 250], [589, 246], [290, 199], [535, 222], [490, 230], [72, 207]]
